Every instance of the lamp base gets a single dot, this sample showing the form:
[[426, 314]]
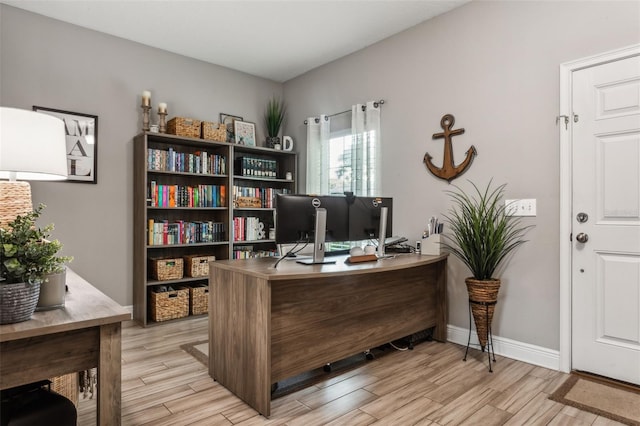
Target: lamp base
[[15, 200]]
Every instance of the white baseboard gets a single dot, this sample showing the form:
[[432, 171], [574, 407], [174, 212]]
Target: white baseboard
[[520, 351]]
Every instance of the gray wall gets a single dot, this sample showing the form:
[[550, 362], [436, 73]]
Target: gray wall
[[495, 67], [53, 64]]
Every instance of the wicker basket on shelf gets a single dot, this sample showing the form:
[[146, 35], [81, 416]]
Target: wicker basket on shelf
[[168, 305], [181, 126], [166, 269], [197, 266], [214, 131], [199, 299], [66, 386]]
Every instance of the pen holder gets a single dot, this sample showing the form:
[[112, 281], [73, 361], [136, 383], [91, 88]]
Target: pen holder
[[430, 245]]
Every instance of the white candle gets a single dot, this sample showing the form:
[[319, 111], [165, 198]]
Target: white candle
[[146, 98], [162, 107]]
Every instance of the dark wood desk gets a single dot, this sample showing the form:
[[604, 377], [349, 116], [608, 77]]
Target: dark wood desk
[[85, 334], [268, 324]]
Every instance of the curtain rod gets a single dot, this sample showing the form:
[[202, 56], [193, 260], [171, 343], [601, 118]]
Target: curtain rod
[[376, 104]]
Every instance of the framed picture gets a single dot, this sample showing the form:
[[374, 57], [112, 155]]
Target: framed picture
[[244, 133], [227, 120], [81, 132]]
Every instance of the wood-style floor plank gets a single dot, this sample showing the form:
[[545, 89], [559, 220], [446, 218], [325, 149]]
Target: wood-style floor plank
[[430, 385]]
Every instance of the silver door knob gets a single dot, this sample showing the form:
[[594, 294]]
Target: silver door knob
[[582, 237]]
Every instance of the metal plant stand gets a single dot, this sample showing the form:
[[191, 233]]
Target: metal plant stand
[[490, 350]]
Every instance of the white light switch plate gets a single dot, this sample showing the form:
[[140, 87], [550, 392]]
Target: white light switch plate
[[523, 207]]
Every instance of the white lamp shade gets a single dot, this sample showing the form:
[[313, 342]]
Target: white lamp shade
[[32, 146]]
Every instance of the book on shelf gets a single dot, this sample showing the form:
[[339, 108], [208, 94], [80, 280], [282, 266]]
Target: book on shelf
[[200, 162], [266, 195], [163, 232], [257, 167], [162, 195]]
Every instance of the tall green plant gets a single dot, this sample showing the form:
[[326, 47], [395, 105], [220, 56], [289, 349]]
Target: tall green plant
[[481, 232], [26, 254], [274, 116]]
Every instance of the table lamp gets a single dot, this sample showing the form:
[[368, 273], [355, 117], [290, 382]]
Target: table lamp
[[32, 147]]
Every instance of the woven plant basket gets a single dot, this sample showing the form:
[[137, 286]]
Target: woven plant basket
[[18, 301], [483, 295]]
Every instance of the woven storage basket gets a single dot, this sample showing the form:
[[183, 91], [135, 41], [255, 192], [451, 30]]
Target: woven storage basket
[[181, 126], [66, 386], [18, 301], [169, 305], [197, 266], [214, 131], [166, 269], [199, 300], [483, 295], [15, 200]]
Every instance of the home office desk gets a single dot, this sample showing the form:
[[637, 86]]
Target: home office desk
[[268, 324], [85, 334]]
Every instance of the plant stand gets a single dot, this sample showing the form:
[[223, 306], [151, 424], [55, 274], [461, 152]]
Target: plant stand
[[489, 344]]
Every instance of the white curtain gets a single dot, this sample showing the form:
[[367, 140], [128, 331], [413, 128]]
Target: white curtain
[[364, 150], [365, 158], [318, 134]]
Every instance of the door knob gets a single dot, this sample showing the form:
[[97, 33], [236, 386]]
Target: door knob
[[582, 237]]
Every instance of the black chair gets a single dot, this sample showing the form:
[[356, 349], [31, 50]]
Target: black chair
[[36, 405]]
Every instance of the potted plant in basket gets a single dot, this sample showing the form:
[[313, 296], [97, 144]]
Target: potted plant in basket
[[273, 118], [27, 257], [482, 235]]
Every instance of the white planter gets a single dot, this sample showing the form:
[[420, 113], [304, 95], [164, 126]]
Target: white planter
[[52, 291]]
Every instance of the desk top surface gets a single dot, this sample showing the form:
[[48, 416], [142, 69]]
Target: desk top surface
[[290, 269], [85, 306]]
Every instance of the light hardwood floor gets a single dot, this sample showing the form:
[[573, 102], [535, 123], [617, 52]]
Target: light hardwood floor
[[431, 385]]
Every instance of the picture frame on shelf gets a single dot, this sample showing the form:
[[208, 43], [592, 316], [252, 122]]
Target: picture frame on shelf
[[81, 134], [227, 120], [244, 133]]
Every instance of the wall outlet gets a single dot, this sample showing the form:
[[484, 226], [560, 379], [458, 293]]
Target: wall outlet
[[522, 207]]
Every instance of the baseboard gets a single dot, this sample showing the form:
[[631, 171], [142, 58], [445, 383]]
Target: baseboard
[[520, 351]]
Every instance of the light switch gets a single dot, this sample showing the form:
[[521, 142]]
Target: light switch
[[522, 207]]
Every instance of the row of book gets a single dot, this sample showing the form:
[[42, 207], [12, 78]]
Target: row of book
[[186, 196], [248, 229], [201, 162], [247, 252], [266, 195], [163, 232], [256, 167]]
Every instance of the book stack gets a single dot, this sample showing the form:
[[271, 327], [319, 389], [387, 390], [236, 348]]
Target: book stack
[[186, 196]]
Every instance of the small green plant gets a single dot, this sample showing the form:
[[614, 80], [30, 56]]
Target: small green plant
[[481, 232], [27, 255], [274, 116]]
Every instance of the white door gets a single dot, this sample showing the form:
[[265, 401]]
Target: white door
[[606, 220]]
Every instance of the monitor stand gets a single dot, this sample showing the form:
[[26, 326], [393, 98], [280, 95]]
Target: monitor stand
[[318, 240], [382, 231]]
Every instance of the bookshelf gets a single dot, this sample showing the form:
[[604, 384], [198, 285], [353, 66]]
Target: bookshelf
[[185, 205]]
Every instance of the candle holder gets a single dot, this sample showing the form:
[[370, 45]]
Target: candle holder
[[163, 121], [145, 117]]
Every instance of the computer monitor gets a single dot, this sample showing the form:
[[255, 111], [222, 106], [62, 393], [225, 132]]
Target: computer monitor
[[364, 217], [302, 218]]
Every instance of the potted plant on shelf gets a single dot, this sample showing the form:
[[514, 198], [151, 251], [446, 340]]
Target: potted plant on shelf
[[273, 119], [27, 259], [482, 235]]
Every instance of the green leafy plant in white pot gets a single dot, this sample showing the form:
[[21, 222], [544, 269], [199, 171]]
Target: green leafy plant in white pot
[[27, 258], [482, 235], [273, 119]]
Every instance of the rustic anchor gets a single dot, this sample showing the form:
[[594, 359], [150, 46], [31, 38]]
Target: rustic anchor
[[449, 170]]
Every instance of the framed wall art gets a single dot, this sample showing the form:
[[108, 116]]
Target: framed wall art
[[244, 132], [227, 120], [81, 133]]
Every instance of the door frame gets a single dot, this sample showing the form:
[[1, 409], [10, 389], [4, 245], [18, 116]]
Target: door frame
[[566, 185]]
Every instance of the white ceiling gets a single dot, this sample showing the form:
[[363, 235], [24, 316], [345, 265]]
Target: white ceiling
[[278, 40]]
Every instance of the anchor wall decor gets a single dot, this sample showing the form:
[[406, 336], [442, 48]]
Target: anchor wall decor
[[449, 170]]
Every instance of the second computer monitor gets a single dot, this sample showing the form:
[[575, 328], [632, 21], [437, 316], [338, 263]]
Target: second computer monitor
[[364, 217]]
